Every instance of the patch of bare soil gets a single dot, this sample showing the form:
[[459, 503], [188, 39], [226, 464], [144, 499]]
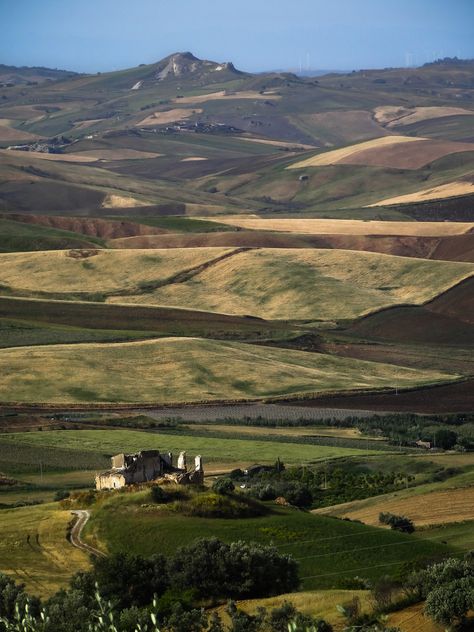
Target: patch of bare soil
[[453, 398], [8, 133]]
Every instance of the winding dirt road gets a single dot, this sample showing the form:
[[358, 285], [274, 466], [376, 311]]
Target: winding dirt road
[[83, 516]]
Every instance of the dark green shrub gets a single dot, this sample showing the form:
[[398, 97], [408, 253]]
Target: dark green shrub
[[398, 523], [61, 494], [223, 486], [158, 495]]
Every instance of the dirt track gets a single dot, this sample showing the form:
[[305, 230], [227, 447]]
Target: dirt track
[[83, 516]]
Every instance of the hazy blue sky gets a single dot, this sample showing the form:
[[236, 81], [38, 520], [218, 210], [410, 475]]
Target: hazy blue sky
[[93, 35]]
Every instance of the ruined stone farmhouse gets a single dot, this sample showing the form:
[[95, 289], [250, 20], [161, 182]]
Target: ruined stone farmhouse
[[149, 465]]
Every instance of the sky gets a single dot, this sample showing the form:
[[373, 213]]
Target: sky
[[257, 35]]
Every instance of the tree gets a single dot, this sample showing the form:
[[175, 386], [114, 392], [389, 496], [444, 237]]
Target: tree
[[236, 570], [449, 603], [13, 597], [398, 523], [131, 579], [445, 439], [299, 496], [186, 621]]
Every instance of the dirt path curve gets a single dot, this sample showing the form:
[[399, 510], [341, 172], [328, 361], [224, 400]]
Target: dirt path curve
[[83, 516]]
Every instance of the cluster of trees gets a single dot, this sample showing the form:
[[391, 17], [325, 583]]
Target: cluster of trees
[[398, 523], [444, 431], [207, 571], [319, 487]]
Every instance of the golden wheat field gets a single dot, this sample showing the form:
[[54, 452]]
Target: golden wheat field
[[395, 115], [307, 284], [338, 155], [437, 507], [172, 370], [347, 226], [448, 190]]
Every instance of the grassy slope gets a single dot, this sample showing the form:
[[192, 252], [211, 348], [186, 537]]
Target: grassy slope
[[441, 502], [328, 550], [172, 370], [45, 564], [308, 284], [162, 320], [61, 272], [21, 333], [16, 236]]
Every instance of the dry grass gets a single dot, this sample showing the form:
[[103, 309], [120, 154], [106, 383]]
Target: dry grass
[[87, 123], [348, 226], [318, 603], [339, 155], [55, 157], [9, 133], [112, 200], [437, 507], [315, 431], [307, 284], [170, 116], [395, 115], [277, 143], [63, 271], [448, 190], [175, 370], [44, 565], [413, 619], [414, 156]]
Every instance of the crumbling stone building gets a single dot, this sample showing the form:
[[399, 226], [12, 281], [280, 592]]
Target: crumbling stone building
[[148, 465]]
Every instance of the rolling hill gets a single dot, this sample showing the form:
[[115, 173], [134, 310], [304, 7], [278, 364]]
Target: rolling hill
[[172, 370], [284, 284]]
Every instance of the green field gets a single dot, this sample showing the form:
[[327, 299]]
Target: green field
[[88, 449], [22, 333], [328, 550], [175, 370], [129, 318]]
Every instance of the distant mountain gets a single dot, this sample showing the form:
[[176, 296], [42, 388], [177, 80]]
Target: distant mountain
[[178, 67], [182, 65], [30, 75]]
